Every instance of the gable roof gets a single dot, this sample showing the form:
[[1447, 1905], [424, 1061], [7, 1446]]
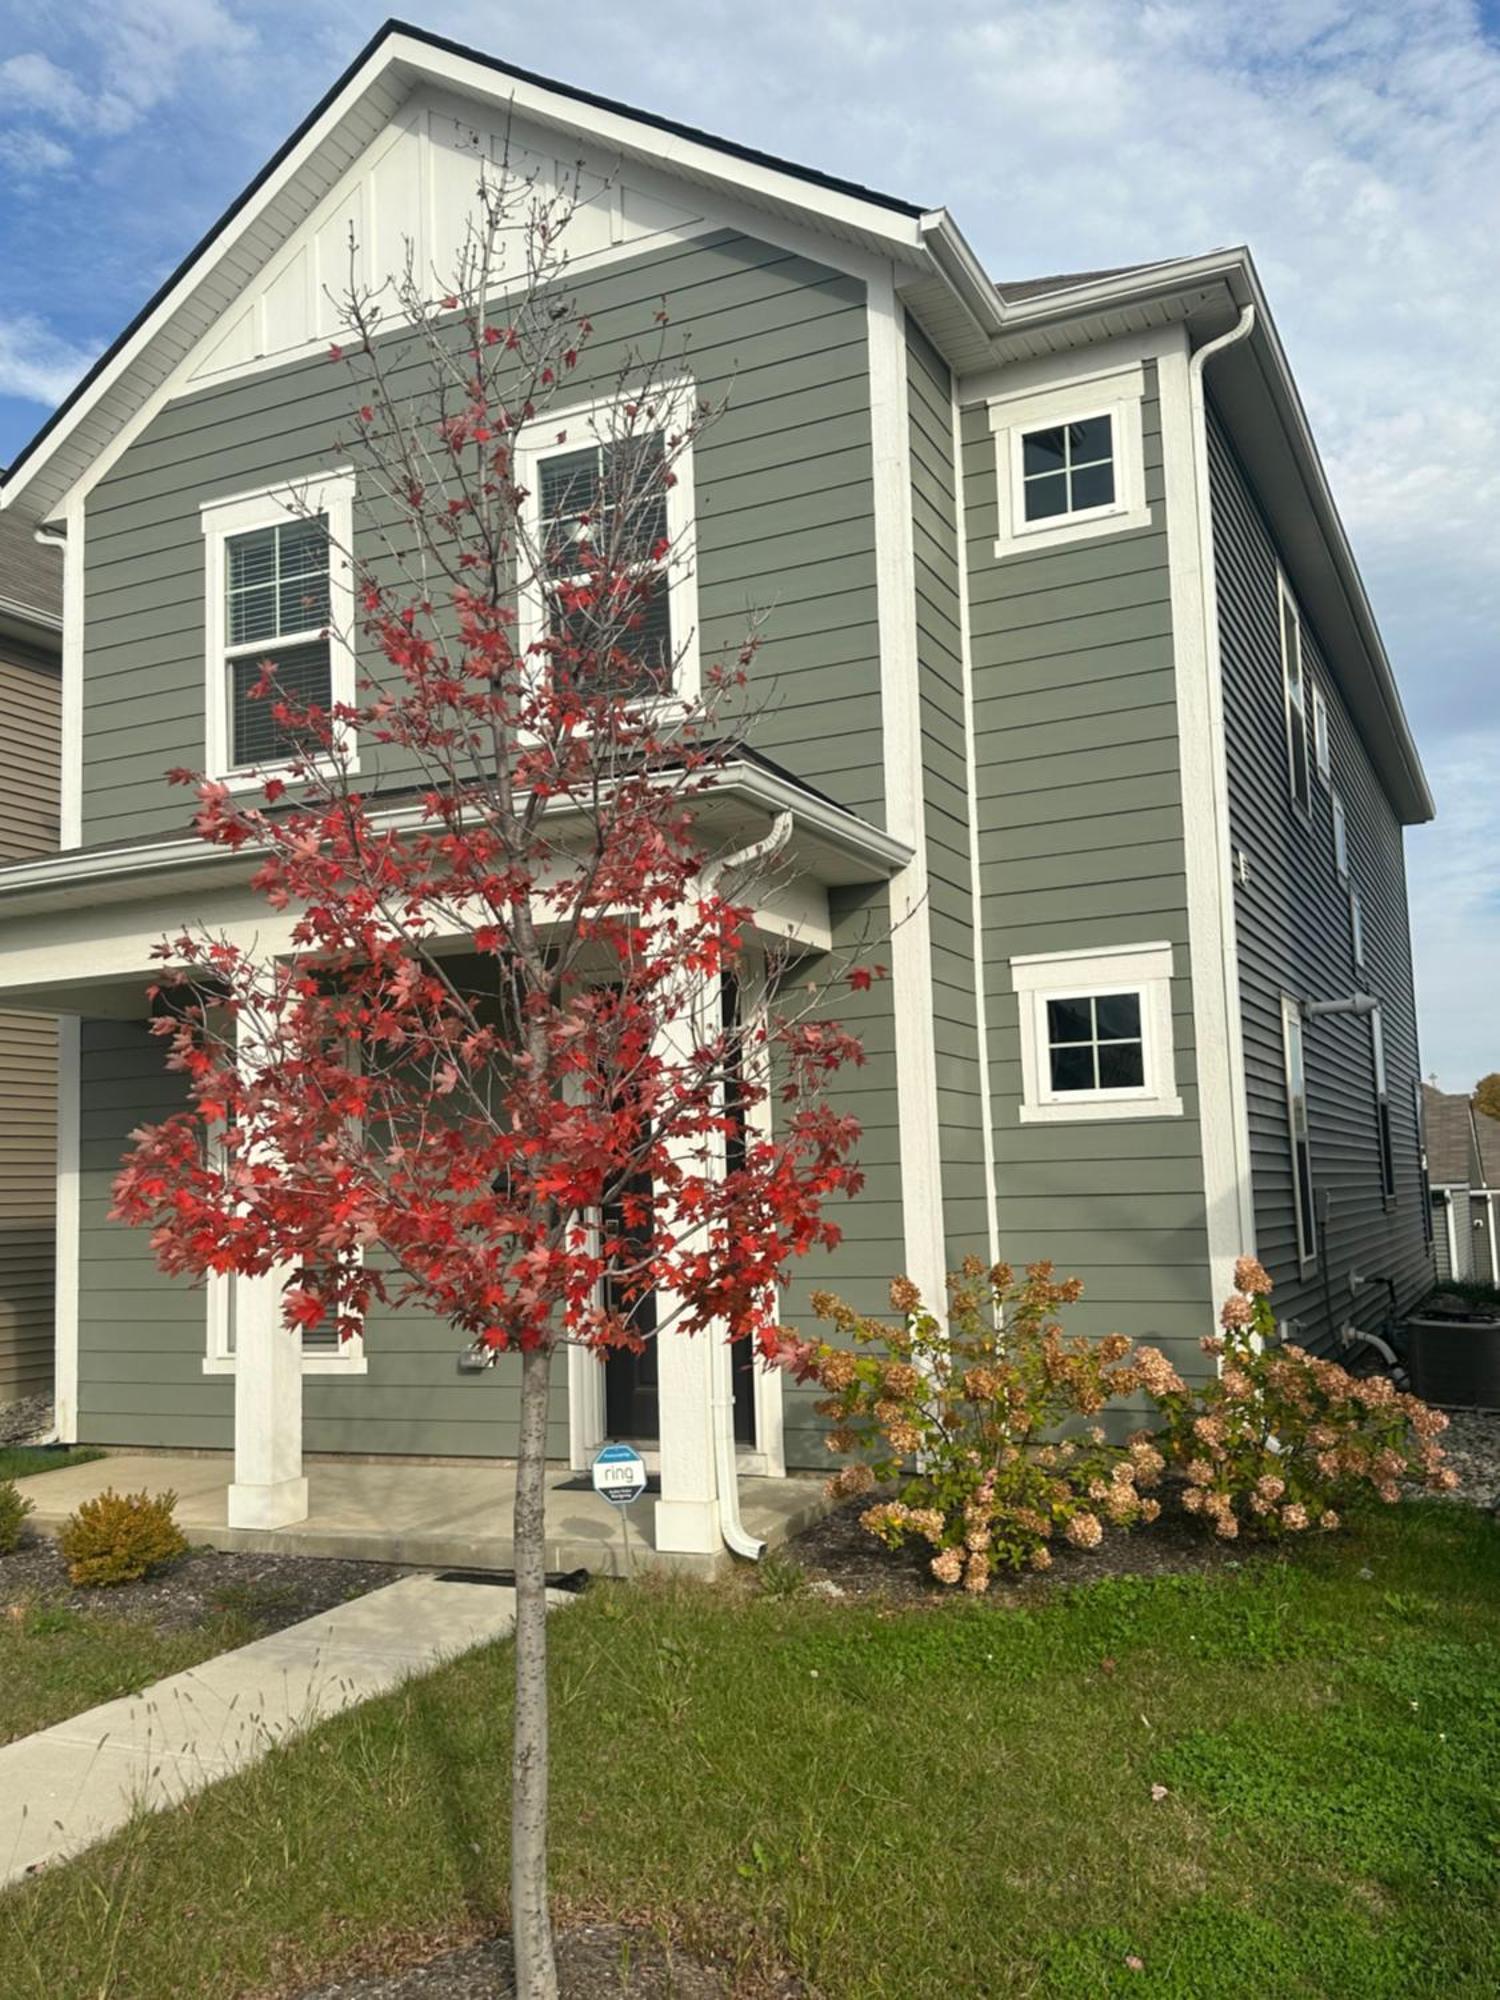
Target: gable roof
[[30, 584], [1487, 1147], [1447, 1118]]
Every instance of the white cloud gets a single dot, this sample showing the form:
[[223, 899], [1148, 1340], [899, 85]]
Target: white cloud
[[29, 155], [34, 363], [140, 51]]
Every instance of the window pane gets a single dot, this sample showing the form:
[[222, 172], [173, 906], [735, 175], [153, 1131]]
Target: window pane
[[569, 483], [1093, 486], [252, 615], [252, 558], [1042, 451], [1070, 1020], [1119, 1016], [303, 603], [1090, 440], [1122, 1066], [303, 673], [302, 546], [1046, 497], [1073, 1068]]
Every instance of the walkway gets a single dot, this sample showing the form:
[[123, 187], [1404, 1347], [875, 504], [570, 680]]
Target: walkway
[[429, 1516], [69, 1786]]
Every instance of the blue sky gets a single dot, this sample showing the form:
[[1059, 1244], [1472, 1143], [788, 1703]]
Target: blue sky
[[1355, 148]]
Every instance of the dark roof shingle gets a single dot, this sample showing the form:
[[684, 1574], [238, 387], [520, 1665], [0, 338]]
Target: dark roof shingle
[[30, 574]]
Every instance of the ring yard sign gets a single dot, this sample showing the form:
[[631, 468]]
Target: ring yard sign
[[620, 1474]]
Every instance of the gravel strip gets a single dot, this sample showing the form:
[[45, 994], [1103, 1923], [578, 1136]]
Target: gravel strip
[[1472, 1445], [271, 1591], [26, 1421]]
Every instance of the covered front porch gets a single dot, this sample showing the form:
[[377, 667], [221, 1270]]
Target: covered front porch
[[430, 1516]]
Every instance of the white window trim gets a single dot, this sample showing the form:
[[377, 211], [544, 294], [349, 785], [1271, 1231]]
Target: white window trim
[[328, 493], [582, 424], [1385, 1134], [1340, 836], [1322, 743], [1117, 394], [1357, 944], [1066, 975], [1296, 717]]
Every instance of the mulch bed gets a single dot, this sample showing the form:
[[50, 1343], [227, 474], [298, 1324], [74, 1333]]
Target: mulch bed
[[847, 1561], [271, 1591], [594, 1962]]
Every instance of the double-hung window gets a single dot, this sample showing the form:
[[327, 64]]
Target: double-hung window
[[1294, 681], [1356, 927], [279, 590], [1383, 1132], [1322, 742], [1294, 1056], [610, 517], [1096, 1034]]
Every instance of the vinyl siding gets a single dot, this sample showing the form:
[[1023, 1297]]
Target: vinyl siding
[[30, 697], [1080, 824], [783, 487], [945, 796], [1294, 936]]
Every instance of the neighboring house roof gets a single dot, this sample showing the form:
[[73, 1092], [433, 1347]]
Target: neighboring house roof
[[1487, 1146], [1449, 1137], [976, 323], [30, 584]]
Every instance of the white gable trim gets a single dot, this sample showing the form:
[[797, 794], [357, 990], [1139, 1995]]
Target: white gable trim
[[373, 95]]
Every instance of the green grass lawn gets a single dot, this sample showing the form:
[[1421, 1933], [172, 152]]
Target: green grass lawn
[[946, 1802], [19, 1461]]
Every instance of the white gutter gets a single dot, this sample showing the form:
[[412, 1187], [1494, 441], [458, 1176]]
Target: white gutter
[[737, 1538]]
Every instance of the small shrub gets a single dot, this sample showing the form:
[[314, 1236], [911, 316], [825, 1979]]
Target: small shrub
[[13, 1511], [965, 1418], [1280, 1440], [121, 1537]]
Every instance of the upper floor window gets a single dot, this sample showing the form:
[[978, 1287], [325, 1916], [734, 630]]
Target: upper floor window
[[1096, 1034], [1340, 838], [1322, 744], [1357, 926], [1294, 681], [279, 589], [608, 493], [1069, 461]]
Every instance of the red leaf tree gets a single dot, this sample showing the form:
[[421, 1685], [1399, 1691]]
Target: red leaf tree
[[492, 1074]]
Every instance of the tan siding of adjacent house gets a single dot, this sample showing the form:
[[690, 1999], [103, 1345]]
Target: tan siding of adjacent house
[[29, 702]]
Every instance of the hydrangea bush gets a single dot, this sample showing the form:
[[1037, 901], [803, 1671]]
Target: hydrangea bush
[[965, 1419], [1279, 1440]]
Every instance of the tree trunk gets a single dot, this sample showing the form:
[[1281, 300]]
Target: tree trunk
[[530, 1919]]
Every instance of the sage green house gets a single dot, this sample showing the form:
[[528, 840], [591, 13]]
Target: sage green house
[[1077, 694]]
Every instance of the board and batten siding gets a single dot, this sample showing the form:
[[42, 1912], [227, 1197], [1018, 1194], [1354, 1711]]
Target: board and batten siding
[[1079, 805], [1295, 936], [783, 484], [30, 698], [945, 797]]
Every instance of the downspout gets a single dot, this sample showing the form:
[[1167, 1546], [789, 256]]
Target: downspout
[[737, 1538]]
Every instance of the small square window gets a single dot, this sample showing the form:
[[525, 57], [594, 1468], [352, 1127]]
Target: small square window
[[1096, 1034], [1068, 468]]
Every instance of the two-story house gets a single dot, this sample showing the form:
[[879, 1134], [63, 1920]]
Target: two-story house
[[1078, 690]]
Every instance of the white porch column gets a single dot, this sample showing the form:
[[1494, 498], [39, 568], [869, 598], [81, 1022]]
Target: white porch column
[[269, 1490], [687, 1514]]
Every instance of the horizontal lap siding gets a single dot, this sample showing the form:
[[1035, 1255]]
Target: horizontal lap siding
[[783, 486], [31, 699], [1293, 930], [782, 479], [945, 795], [1079, 809]]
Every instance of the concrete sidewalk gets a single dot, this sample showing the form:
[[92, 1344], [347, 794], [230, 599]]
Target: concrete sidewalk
[[69, 1786]]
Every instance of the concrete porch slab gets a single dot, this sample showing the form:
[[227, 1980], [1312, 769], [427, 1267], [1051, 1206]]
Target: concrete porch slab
[[430, 1516]]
